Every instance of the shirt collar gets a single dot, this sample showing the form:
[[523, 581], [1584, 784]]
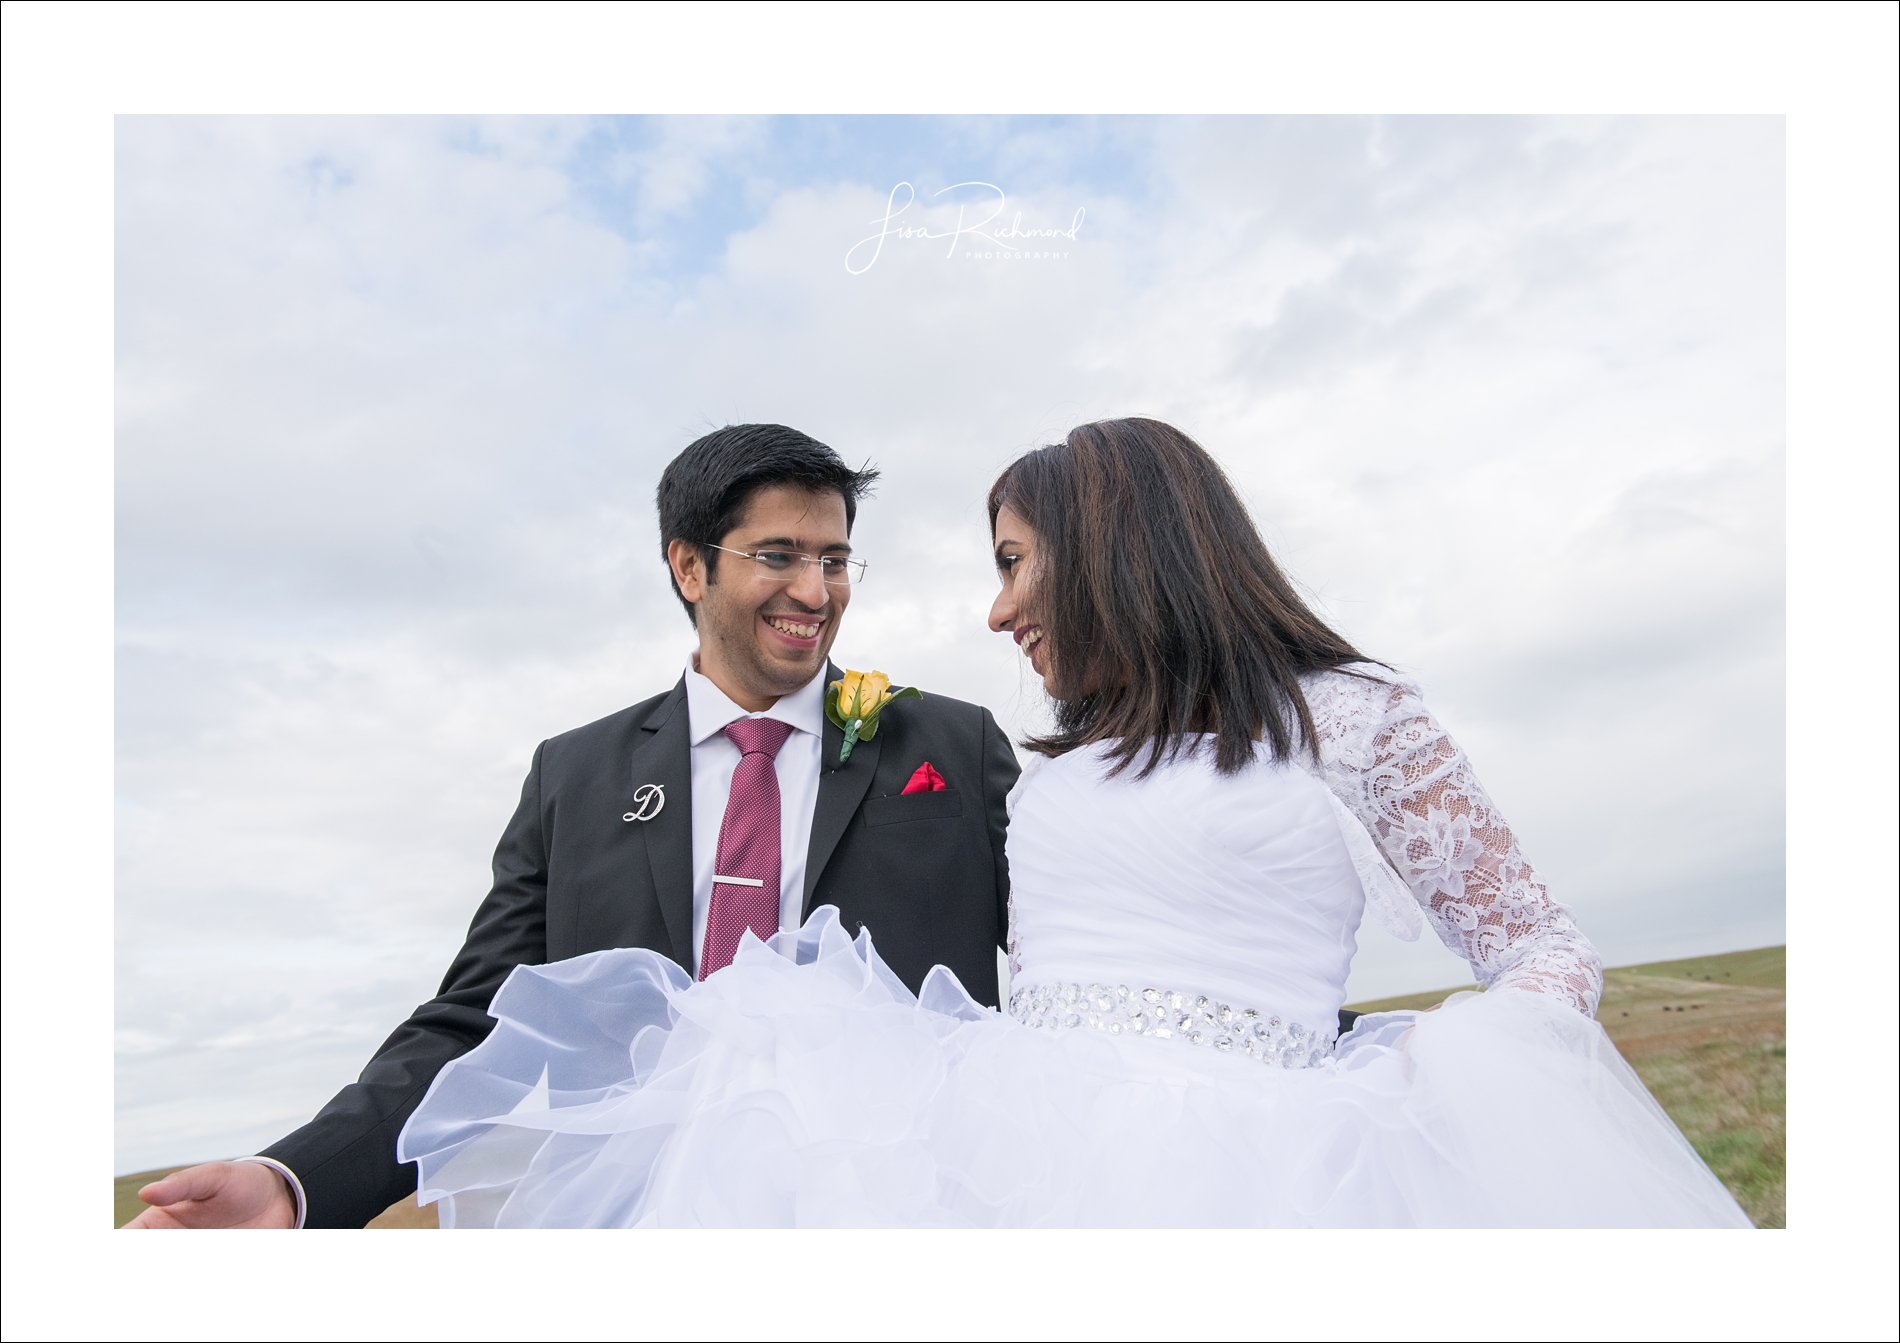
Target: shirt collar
[[708, 710]]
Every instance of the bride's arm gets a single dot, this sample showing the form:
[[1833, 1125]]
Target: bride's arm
[[1410, 784]]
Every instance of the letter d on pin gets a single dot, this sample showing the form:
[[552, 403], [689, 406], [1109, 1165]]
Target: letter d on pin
[[647, 801]]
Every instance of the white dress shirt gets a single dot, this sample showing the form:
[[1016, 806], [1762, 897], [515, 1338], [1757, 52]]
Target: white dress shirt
[[714, 759]]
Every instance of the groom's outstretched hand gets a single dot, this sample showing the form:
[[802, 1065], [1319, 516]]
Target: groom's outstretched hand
[[217, 1194]]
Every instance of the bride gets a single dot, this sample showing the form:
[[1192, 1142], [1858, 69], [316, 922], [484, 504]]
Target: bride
[[1228, 787]]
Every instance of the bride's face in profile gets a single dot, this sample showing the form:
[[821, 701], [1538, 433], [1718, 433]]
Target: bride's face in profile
[[1014, 611]]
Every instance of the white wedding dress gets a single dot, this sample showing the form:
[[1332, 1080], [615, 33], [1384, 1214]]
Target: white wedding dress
[[1178, 953]]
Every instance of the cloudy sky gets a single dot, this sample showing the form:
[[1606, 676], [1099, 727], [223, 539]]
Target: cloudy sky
[[1506, 396]]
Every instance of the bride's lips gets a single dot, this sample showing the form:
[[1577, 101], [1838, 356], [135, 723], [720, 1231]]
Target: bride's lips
[[1029, 639], [794, 630]]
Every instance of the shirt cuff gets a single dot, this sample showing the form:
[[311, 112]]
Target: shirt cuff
[[290, 1178]]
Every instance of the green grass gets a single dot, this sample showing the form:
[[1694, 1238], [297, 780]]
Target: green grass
[[125, 1192], [1730, 1099]]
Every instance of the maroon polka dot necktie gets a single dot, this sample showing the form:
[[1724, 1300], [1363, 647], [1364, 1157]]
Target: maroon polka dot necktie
[[745, 891]]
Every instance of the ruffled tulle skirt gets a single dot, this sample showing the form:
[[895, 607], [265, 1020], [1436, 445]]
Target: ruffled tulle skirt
[[804, 1085]]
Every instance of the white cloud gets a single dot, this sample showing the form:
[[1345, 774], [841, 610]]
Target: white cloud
[[1506, 396]]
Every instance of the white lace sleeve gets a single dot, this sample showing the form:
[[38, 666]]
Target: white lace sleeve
[[1404, 778]]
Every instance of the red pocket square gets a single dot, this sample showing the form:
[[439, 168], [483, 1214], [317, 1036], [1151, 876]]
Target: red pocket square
[[926, 780]]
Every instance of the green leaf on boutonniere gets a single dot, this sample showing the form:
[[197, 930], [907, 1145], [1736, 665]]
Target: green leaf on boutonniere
[[855, 701]]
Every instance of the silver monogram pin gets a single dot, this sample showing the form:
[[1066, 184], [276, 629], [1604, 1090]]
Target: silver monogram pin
[[647, 801]]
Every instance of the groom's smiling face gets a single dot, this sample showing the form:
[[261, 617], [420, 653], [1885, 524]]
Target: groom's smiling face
[[763, 635]]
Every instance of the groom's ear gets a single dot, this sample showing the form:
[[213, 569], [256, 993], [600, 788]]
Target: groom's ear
[[689, 575]]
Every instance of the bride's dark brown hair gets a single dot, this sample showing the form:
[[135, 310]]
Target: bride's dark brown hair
[[1163, 610]]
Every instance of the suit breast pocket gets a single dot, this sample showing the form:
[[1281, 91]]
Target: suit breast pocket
[[913, 807]]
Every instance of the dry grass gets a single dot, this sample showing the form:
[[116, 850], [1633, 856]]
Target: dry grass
[[405, 1216], [1708, 1036]]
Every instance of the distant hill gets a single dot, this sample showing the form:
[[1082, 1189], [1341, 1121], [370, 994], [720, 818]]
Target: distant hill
[[1708, 1036]]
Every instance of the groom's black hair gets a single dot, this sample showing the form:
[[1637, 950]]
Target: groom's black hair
[[704, 491]]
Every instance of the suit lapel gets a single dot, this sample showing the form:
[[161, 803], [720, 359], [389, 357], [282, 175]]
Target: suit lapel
[[665, 758], [840, 790]]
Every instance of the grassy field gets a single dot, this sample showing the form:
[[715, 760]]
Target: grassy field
[[1706, 1035]]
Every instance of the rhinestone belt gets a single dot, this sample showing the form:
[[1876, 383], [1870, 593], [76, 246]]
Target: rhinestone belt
[[1166, 1014]]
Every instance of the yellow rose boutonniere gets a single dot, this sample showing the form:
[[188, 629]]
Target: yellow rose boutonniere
[[855, 702]]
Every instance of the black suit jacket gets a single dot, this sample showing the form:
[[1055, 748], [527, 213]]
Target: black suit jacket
[[925, 872]]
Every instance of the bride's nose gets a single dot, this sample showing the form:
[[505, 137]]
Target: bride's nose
[[1003, 613]]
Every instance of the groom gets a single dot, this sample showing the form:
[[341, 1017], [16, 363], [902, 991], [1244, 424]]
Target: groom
[[716, 807]]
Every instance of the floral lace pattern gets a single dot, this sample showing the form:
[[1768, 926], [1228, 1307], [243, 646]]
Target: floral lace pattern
[[1401, 774]]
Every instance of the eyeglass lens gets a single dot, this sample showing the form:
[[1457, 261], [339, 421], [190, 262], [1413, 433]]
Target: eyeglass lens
[[783, 564]]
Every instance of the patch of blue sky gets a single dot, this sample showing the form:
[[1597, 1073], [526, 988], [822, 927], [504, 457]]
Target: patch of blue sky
[[680, 187]]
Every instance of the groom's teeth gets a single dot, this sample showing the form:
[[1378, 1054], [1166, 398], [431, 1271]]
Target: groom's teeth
[[795, 630]]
